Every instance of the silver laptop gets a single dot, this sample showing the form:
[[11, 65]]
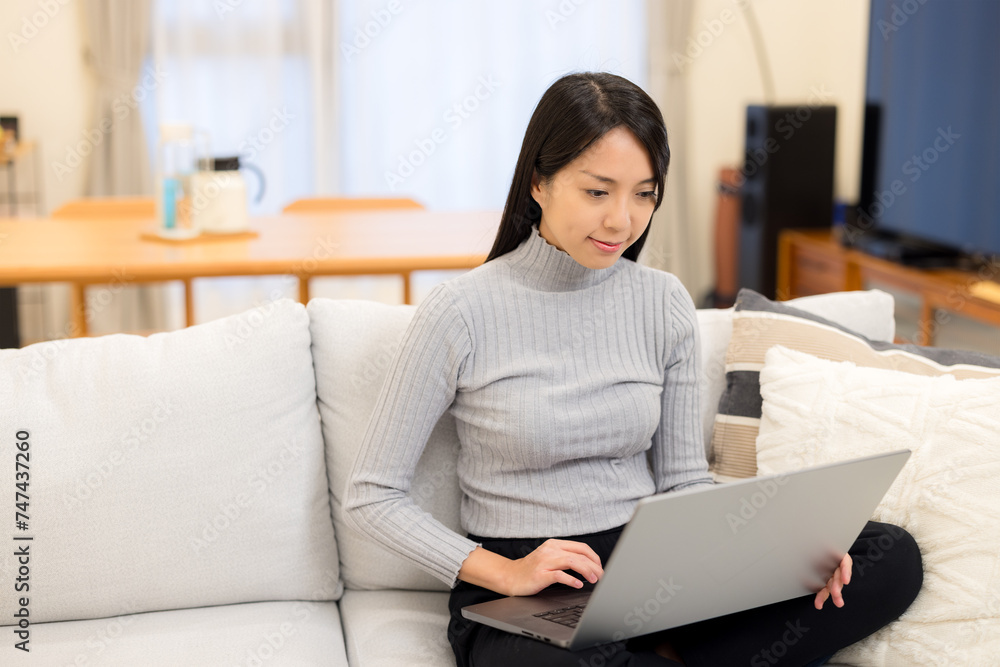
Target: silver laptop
[[699, 553]]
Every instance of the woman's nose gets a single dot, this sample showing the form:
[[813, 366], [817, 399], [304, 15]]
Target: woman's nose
[[619, 217]]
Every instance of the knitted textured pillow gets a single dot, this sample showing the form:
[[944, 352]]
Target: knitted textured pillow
[[946, 496]]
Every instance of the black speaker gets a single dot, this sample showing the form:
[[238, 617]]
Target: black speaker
[[788, 183]]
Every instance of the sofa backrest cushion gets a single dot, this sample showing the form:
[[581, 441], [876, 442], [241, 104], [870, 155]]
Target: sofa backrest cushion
[[180, 470], [353, 343]]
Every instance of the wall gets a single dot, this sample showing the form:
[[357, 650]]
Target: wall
[[45, 82], [817, 49]]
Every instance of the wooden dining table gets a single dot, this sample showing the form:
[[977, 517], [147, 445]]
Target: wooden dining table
[[301, 246]]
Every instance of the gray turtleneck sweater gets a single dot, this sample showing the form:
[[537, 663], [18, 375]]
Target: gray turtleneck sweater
[[574, 391]]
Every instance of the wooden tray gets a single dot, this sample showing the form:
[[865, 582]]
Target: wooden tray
[[158, 236]]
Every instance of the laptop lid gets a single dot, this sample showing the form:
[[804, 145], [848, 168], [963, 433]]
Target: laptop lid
[[699, 553]]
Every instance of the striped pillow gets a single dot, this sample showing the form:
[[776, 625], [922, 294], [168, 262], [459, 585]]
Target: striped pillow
[[759, 324]]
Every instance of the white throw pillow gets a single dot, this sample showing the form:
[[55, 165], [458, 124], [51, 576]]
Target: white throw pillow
[[180, 470], [353, 343], [947, 495]]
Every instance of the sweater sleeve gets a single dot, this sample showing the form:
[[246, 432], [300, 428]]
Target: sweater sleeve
[[678, 452], [419, 387]]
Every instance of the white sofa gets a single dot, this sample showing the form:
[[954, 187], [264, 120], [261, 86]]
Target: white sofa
[[184, 491]]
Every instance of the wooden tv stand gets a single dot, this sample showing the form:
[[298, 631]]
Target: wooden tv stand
[[814, 262]]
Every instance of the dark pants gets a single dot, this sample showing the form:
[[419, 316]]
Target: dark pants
[[887, 576]]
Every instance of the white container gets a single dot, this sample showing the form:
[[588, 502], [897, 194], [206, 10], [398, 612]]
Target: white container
[[219, 202], [219, 196]]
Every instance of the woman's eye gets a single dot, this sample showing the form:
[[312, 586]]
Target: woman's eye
[[596, 193], [649, 194]]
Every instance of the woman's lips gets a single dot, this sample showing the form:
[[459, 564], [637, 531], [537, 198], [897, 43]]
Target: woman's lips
[[606, 247]]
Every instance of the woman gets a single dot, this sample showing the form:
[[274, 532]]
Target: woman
[[572, 374]]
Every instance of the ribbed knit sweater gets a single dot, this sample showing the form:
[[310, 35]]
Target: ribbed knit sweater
[[574, 391]]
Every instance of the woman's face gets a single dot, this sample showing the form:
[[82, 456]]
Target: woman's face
[[600, 203]]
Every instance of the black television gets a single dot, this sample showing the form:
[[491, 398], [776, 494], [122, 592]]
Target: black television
[[930, 176]]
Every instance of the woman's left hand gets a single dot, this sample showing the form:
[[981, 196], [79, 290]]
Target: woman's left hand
[[841, 577]]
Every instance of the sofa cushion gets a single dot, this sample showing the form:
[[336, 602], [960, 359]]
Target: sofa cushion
[[759, 324], [817, 411], [184, 469], [397, 628], [353, 343], [261, 633], [868, 312]]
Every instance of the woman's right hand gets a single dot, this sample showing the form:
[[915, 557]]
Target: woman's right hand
[[541, 568]]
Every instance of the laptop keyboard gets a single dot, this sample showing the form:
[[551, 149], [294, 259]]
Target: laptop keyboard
[[568, 616]]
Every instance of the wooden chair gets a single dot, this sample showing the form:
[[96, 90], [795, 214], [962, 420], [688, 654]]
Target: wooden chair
[[112, 208], [334, 204], [330, 204]]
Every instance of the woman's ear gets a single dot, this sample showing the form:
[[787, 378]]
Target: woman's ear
[[536, 187]]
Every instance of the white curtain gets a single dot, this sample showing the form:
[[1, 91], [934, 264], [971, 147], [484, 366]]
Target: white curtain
[[117, 45], [434, 98], [117, 38], [673, 244]]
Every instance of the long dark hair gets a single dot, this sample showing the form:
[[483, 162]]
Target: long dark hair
[[574, 112]]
